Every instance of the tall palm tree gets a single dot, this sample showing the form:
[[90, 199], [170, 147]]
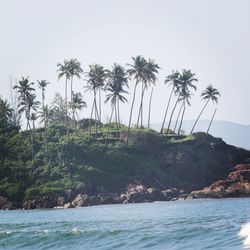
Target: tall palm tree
[[77, 104], [137, 71], [25, 98], [172, 80], [116, 81], [185, 82], [95, 80], [64, 71], [75, 70], [151, 70], [42, 85], [208, 94]]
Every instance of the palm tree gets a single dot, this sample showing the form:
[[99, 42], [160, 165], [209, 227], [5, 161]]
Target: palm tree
[[151, 69], [64, 71], [208, 94], [172, 80], [116, 81], [77, 104], [185, 83], [212, 119], [75, 70], [96, 79], [42, 85], [137, 71], [6, 111], [24, 88]]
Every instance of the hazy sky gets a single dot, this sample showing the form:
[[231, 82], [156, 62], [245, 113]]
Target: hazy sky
[[210, 37]]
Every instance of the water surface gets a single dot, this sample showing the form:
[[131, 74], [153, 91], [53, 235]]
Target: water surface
[[197, 224]]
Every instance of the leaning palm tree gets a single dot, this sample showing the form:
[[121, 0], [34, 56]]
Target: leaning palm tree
[[185, 82], [75, 70], [151, 70], [172, 80], [64, 71], [208, 94], [117, 79], [137, 71], [95, 80], [76, 105]]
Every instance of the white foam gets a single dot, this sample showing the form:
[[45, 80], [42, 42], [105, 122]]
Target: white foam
[[46, 231], [245, 233], [76, 231]]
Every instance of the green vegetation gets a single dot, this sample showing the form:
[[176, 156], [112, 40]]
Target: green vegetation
[[64, 153]]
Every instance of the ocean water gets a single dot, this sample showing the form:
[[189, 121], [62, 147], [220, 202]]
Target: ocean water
[[195, 224]]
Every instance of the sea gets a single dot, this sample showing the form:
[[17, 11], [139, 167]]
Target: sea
[[222, 224]]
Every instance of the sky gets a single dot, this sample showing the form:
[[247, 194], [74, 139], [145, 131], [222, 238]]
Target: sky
[[209, 37]]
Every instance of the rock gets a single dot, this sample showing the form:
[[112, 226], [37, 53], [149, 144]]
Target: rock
[[155, 194], [68, 205], [237, 184], [109, 198], [61, 201], [5, 204], [171, 193], [81, 200]]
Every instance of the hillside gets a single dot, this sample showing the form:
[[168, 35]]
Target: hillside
[[94, 166], [232, 133]]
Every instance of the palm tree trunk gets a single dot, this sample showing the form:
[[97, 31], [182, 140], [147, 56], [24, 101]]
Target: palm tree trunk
[[140, 110], [171, 116], [131, 111], [165, 115], [71, 88], [91, 115], [110, 119], [97, 118], [177, 119], [116, 119], [66, 102], [149, 108], [100, 106], [182, 117], [191, 132], [118, 111], [211, 120]]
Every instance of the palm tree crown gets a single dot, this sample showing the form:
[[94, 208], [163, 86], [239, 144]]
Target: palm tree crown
[[117, 79], [64, 69], [96, 77], [210, 93]]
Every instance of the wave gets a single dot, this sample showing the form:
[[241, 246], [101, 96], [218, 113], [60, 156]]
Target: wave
[[245, 233]]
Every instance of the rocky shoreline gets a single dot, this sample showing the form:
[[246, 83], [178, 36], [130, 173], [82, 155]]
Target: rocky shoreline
[[237, 184]]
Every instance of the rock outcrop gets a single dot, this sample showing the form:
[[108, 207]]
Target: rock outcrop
[[237, 184], [5, 204]]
